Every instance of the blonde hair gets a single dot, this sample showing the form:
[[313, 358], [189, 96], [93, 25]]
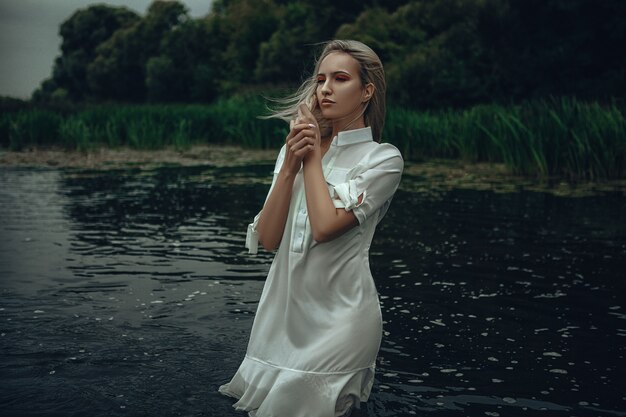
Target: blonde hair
[[371, 71]]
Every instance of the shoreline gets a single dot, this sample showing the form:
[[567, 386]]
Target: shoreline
[[439, 174], [119, 158]]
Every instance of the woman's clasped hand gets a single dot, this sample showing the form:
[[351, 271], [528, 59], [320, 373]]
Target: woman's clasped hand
[[303, 140]]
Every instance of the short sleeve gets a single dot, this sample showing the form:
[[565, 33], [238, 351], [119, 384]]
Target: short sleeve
[[252, 237], [376, 178]]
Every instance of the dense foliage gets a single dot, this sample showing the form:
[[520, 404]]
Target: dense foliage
[[563, 138], [437, 53]]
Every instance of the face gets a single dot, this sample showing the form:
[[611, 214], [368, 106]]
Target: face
[[340, 93]]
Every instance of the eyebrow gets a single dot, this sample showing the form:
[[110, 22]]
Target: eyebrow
[[335, 73]]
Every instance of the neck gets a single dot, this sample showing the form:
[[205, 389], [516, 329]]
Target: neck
[[354, 120], [348, 123]]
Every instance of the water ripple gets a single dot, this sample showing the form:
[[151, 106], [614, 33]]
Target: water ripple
[[130, 293]]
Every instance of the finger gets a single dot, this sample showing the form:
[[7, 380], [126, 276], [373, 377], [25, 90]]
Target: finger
[[301, 136], [314, 103], [305, 112], [302, 151], [300, 112], [291, 134], [304, 142], [296, 127], [302, 126]]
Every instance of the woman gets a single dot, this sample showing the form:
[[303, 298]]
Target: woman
[[317, 330]]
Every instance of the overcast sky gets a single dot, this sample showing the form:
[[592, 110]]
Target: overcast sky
[[29, 37]]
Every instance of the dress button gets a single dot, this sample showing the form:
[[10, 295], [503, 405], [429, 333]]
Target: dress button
[[303, 211], [300, 234]]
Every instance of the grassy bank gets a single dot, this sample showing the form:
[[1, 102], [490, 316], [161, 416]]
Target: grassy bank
[[561, 137], [230, 121]]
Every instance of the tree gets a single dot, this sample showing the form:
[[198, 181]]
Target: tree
[[119, 70], [564, 47], [436, 52], [187, 67], [284, 57], [81, 34], [432, 50], [243, 25]]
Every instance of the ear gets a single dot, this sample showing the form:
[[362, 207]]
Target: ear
[[368, 92]]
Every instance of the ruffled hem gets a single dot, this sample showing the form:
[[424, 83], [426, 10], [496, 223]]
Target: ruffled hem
[[265, 390]]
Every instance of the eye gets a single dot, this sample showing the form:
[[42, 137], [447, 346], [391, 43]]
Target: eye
[[320, 80], [342, 78]]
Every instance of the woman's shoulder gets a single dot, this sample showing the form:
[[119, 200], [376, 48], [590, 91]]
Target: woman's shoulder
[[374, 156], [389, 149], [381, 147], [377, 152]]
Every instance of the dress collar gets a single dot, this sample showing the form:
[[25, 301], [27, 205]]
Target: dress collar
[[351, 137]]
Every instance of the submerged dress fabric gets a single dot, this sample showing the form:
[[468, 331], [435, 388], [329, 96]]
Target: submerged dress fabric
[[318, 326]]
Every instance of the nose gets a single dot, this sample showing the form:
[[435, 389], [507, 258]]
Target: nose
[[326, 87]]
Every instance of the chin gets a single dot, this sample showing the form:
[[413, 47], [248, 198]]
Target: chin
[[326, 114], [329, 114]]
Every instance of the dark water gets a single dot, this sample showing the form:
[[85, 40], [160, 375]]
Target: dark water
[[129, 293]]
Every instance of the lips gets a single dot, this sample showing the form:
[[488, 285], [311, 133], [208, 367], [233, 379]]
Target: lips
[[327, 101]]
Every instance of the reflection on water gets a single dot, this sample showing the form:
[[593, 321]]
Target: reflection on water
[[130, 293]]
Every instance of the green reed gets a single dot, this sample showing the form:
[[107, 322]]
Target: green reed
[[35, 126], [228, 121], [560, 137]]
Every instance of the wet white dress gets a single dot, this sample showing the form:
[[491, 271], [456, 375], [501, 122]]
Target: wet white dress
[[318, 326]]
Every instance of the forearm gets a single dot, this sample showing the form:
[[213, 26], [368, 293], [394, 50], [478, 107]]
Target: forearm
[[275, 211], [327, 222]]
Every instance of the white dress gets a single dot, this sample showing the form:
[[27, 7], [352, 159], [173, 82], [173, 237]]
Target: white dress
[[318, 326]]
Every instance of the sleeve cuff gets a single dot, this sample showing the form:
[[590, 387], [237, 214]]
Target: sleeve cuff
[[252, 239], [346, 196]]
